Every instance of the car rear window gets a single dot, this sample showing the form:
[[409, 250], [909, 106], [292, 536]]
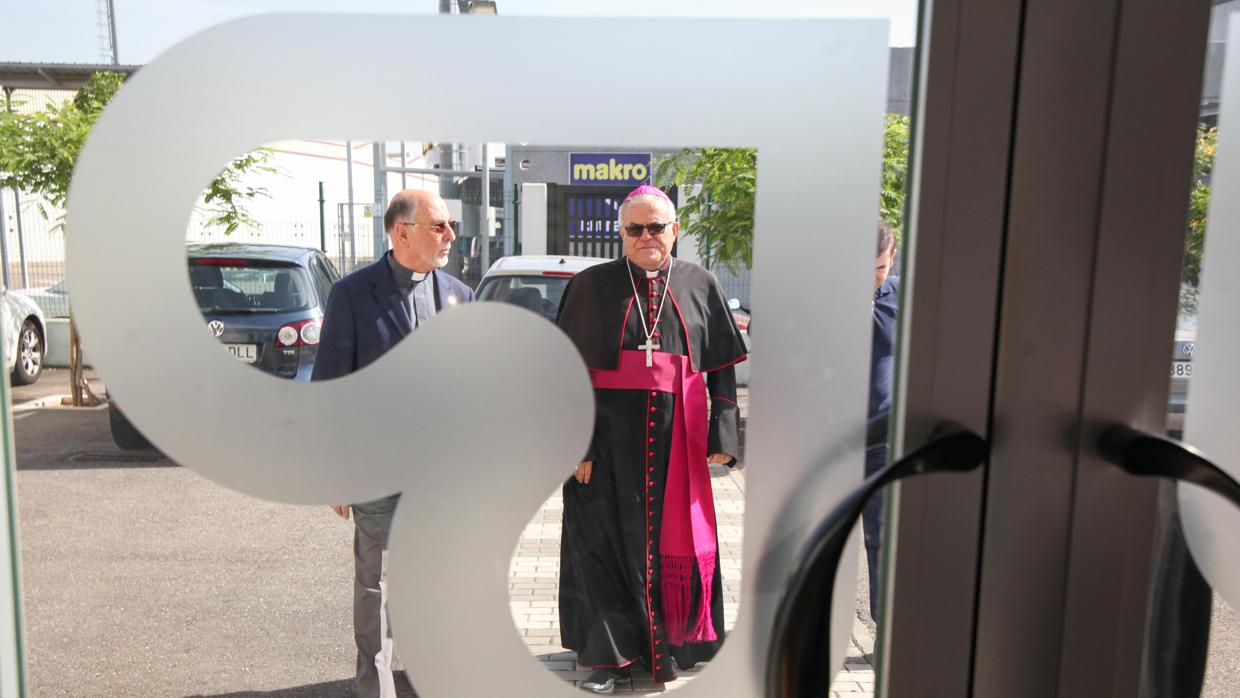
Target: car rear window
[[250, 287], [538, 293]]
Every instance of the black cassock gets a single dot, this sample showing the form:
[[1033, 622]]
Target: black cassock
[[612, 605]]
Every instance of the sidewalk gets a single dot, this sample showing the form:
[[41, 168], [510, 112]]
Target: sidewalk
[[534, 581]]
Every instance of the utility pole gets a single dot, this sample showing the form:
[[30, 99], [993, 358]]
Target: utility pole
[[106, 16], [112, 32], [348, 146], [376, 215], [484, 252]]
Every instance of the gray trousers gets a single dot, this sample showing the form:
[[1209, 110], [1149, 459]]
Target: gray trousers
[[372, 630]]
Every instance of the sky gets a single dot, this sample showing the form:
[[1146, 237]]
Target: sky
[[67, 31]]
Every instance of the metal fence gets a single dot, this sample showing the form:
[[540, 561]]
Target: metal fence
[[734, 285]]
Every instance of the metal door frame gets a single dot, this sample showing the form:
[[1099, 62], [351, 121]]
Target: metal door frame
[[1053, 166]]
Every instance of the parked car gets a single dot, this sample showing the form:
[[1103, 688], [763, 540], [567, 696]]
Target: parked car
[[1181, 374], [536, 282], [25, 336], [52, 300], [264, 303]]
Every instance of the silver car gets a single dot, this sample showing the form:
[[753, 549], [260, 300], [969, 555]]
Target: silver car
[[25, 335]]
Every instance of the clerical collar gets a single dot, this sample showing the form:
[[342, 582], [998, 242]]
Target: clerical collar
[[403, 275], [644, 273]]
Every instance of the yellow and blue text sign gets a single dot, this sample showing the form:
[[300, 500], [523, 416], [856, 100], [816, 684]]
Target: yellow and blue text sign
[[609, 169]]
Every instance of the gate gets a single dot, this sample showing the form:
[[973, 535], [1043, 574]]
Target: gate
[[584, 220]]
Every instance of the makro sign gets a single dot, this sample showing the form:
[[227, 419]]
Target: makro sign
[[609, 169]]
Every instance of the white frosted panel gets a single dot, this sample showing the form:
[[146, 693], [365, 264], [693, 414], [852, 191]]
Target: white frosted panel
[[808, 94], [1211, 523]]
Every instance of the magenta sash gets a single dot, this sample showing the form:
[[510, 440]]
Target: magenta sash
[[688, 533]]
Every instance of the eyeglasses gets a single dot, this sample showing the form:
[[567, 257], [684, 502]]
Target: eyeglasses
[[439, 228], [634, 230]]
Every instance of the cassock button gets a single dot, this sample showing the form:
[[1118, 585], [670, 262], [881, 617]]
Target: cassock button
[[654, 393], [652, 439], [652, 424], [652, 409], [651, 454], [658, 656], [656, 333], [651, 483]]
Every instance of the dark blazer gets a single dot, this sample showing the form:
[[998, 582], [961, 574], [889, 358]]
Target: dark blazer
[[365, 318]]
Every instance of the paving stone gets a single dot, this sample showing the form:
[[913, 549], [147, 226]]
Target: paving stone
[[534, 586]]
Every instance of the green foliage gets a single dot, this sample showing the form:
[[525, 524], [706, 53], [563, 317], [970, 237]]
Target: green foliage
[[895, 173], [1198, 209], [719, 208], [39, 150], [721, 182], [225, 198]]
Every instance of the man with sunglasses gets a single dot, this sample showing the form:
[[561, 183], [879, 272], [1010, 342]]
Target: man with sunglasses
[[639, 566], [368, 312]]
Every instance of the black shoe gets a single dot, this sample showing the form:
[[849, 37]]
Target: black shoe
[[603, 681]]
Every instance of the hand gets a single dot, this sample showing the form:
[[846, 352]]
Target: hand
[[719, 459], [582, 473], [342, 510]]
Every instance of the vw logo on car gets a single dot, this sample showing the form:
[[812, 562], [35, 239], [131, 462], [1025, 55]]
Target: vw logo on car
[[216, 327]]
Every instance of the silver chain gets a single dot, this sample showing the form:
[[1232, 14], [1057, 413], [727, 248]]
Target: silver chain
[[659, 315]]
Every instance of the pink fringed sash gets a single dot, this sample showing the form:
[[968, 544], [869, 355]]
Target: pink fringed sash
[[688, 534]]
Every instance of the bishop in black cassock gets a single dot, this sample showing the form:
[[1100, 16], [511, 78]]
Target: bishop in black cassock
[[639, 562]]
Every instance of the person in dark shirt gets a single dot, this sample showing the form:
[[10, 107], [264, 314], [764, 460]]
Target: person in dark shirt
[[882, 368]]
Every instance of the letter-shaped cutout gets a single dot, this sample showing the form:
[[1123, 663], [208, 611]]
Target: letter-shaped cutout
[[497, 370]]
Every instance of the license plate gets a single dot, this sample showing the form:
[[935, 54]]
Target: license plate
[[247, 353], [1181, 369]]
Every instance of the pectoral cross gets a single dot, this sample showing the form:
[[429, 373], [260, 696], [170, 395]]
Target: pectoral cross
[[649, 346]]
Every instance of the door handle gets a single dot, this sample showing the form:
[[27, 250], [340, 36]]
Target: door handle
[[796, 662], [1150, 455], [1181, 604]]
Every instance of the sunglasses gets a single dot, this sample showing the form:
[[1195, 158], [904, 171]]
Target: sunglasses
[[440, 228], [634, 230]]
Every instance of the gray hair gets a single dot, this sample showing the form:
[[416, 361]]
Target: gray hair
[[401, 208], [648, 197]]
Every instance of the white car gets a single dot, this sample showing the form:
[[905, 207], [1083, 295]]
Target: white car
[[536, 282], [52, 300], [25, 334]]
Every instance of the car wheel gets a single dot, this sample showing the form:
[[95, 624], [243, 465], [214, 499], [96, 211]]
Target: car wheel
[[124, 433], [29, 354]]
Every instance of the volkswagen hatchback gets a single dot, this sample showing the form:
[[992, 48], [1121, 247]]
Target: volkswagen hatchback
[[264, 303]]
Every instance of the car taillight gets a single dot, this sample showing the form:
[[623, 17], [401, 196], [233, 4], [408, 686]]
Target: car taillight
[[218, 262], [303, 333]]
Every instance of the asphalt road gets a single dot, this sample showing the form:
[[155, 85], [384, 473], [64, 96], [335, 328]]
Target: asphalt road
[[144, 579], [141, 578]]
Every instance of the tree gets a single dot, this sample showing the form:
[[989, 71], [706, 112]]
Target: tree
[[38, 152], [721, 184], [1198, 209]]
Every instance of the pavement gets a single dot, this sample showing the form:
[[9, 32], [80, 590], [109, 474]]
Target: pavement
[[141, 578], [534, 582]]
